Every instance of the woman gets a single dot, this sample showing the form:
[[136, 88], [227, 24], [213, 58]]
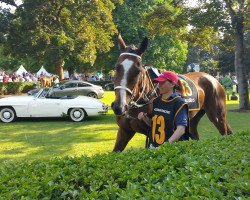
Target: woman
[[168, 117]]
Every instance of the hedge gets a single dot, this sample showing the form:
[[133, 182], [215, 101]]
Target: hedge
[[15, 87], [209, 169]]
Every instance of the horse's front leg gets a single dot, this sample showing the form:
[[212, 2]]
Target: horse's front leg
[[122, 139]]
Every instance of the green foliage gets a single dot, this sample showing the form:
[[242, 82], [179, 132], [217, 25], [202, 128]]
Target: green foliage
[[6, 61], [167, 18], [209, 14], [15, 87], [54, 30], [164, 51], [210, 169], [128, 19], [229, 17]]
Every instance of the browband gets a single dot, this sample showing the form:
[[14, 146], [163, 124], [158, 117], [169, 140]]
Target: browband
[[131, 54], [125, 88]]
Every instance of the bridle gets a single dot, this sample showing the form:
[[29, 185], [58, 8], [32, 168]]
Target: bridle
[[131, 54], [145, 98]]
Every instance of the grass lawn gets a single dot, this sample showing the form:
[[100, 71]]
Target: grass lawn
[[31, 139]]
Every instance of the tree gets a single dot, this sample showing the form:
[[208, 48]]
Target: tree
[[209, 18], [131, 19], [55, 30], [226, 55], [228, 17], [238, 11]]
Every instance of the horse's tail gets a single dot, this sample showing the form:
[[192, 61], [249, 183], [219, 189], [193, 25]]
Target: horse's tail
[[216, 104]]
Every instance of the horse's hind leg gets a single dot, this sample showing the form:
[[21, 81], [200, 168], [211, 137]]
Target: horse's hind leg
[[194, 123], [216, 112], [122, 139]]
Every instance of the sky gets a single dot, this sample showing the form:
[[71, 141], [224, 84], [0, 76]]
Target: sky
[[192, 3], [3, 5]]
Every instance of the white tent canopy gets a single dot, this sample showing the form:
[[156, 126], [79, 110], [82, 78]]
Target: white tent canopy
[[43, 71], [21, 70]]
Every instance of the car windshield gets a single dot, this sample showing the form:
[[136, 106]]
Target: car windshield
[[43, 93], [38, 93]]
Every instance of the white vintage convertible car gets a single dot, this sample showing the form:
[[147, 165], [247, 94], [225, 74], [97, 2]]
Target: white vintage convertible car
[[43, 105]]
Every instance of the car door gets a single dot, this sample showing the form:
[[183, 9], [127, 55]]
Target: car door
[[44, 107], [84, 88], [67, 89]]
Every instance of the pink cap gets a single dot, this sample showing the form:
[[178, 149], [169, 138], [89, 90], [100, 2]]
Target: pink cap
[[167, 76]]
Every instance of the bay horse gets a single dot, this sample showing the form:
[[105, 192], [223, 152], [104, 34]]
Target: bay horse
[[133, 88]]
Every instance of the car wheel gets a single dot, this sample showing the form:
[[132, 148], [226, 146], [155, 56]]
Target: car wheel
[[7, 115], [77, 114], [92, 94]]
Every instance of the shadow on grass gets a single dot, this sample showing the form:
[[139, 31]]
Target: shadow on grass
[[46, 137]]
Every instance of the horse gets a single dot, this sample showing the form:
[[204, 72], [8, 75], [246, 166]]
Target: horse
[[46, 81], [134, 92]]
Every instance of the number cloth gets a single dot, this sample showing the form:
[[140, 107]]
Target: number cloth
[[167, 114]]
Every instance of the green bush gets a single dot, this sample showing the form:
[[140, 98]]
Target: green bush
[[208, 169], [15, 87]]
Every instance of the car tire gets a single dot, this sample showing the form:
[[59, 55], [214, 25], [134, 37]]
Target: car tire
[[7, 115], [77, 114], [92, 94]]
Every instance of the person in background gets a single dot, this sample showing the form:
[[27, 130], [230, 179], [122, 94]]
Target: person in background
[[5, 79], [235, 84], [56, 80], [168, 116]]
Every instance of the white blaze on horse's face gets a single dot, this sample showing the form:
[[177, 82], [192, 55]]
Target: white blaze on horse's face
[[127, 64]]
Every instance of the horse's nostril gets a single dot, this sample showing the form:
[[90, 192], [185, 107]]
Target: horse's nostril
[[116, 108]]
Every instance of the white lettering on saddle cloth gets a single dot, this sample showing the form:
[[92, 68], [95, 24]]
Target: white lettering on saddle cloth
[[189, 100], [161, 110]]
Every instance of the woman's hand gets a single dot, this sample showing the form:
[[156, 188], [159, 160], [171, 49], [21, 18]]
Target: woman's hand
[[141, 116]]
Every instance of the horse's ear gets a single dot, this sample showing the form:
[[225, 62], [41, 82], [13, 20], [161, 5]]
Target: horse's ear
[[121, 43], [143, 46]]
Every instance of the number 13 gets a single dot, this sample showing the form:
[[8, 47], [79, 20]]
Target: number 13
[[158, 135]]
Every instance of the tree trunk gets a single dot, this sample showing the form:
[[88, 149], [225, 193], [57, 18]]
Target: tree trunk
[[239, 64], [59, 67]]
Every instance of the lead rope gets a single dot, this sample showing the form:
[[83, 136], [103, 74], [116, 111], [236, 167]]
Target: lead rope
[[147, 137]]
